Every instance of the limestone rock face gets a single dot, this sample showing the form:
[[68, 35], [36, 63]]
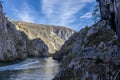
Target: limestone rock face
[[96, 51], [110, 10], [63, 32], [37, 48], [18, 40], [95, 55], [52, 36], [15, 44], [7, 47], [9, 41]]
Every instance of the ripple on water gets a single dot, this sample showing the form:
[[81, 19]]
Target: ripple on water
[[30, 69]]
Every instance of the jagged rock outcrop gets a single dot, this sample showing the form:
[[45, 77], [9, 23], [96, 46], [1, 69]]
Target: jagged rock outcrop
[[18, 40], [53, 36], [36, 48], [94, 56], [15, 44], [110, 10], [66, 48], [6, 45], [64, 33]]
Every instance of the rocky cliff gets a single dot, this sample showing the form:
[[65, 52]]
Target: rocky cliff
[[15, 44], [66, 48], [110, 10], [52, 36], [95, 53]]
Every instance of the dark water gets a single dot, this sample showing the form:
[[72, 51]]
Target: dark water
[[30, 69]]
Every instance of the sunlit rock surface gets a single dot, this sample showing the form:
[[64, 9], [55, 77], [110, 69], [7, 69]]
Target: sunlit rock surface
[[52, 36]]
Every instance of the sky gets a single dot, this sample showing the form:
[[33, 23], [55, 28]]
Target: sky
[[74, 14]]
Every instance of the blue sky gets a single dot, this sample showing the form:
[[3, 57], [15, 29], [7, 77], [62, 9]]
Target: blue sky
[[74, 14]]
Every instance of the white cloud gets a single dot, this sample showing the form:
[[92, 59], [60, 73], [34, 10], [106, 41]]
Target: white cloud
[[54, 12], [86, 15], [25, 14], [63, 11]]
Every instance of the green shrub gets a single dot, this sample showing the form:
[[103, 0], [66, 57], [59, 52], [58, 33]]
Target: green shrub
[[100, 36], [69, 47], [20, 42], [68, 59]]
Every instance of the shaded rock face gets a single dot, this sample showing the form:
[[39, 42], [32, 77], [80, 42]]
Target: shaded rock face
[[18, 41], [66, 48], [37, 48], [15, 44], [110, 10], [52, 36], [94, 56], [7, 47]]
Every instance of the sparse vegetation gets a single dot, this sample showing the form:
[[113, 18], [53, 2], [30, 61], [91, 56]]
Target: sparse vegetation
[[20, 42], [68, 59], [69, 47], [49, 34], [96, 38]]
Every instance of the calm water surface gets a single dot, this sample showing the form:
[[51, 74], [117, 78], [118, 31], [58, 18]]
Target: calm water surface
[[30, 69]]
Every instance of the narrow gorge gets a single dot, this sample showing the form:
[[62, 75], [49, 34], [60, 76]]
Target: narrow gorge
[[20, 40], [26, 49], [30, 51]]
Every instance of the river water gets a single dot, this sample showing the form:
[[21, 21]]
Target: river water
[[30, 69]]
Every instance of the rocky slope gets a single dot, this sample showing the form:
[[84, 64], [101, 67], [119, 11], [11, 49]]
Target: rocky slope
[[53, 36], [110, 10], [15, 44], [95, 53], [66, 48], [8, 41]]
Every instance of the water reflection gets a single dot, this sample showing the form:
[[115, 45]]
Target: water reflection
[[30, 69]]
